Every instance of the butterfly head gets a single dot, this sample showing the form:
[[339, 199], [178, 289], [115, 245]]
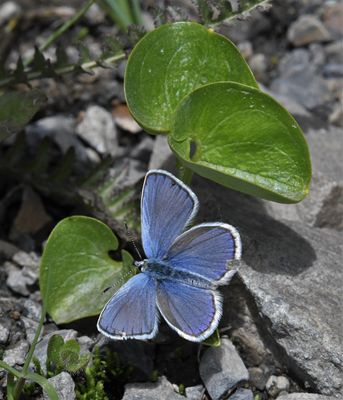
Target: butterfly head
[[141, 265]]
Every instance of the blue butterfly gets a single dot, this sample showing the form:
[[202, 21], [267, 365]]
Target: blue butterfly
[[182, 271]]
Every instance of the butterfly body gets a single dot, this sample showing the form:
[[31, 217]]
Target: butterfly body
[[162, 270], [182, 271]]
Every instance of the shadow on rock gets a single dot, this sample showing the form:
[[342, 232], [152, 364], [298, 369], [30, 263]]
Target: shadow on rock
[[269, 246]]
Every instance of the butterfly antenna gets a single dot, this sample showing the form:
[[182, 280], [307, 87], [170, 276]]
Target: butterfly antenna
[[129, 235]]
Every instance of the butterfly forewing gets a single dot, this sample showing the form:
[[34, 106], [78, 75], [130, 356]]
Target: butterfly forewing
[[167, 206]]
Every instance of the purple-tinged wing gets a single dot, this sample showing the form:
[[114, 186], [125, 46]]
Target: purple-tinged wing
[[131, 313], [167, 206], [193, 312], [206, 251]]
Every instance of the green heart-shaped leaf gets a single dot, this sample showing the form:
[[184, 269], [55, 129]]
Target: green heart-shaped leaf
[[76, 268], [243, 139], [16, 110], [173, 60]]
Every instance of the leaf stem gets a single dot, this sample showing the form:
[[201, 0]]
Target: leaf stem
[[66, 69], [183, 173], [59, 32], [21, 381]]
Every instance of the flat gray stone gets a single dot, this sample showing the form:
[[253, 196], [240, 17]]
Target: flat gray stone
[[9, 10], [307, 29], [323, 207], [7, 249], [20, 279], [287, 286], [222, 369], [304, 396], [4, 333], [294, 274], [300, 81], [242, 394], [277, 384], [64, 385], [195, 392], [98, 129], [15, 355], [162, 389]]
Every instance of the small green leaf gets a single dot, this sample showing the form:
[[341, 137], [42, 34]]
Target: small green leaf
[[173, 60], [243, 139], [16, 110], [55, 345], [213, 340], [76, 268]]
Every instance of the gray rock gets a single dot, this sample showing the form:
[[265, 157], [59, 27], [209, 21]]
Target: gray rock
[[9, 10], [222, 369], [245, 49], [86, 343], [307, 29], [300, 80], [333, 17], [15, 355], [277, 384], [294, 276], [195, 392], [7, 250], [304, 396], [336, 117], [31, 217], [259, 65], [28, 260], [98, 129], [258, 377], [334, 52], [4, 333], [286, 285], [326, 147], [242, 394], [162, 389], [30, 328], [32, 309], [42, 345], [19, 280], [323, 207], [64, 385], [291, 104]]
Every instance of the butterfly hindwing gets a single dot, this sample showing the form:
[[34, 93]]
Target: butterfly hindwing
[[131, 313], [167, 206], [192, 312], [206, 251]]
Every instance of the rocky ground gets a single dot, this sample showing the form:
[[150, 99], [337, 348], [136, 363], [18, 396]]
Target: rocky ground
[[282, 324]]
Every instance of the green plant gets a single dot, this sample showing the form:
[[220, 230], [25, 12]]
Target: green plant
[[190, 83], [64, 356], [79, 233], [104, 369]]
